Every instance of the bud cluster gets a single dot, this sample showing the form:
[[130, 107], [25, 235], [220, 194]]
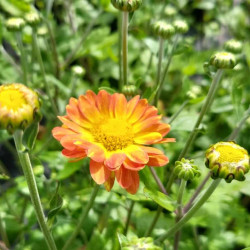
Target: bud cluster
[[139, 243]]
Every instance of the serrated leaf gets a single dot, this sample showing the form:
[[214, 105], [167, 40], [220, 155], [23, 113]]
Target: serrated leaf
[[55, 205], [161, 199], [29, 136]]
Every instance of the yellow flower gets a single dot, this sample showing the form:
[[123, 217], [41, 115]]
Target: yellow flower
[[19, 106], [227, 160]]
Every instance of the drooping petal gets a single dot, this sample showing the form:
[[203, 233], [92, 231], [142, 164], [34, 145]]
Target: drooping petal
[[115, 160], [136, 154], [124, 177], [99, 172], [132, 189], [133, 165], [157, 161], [77, 154], [148, 138], [109, 183]]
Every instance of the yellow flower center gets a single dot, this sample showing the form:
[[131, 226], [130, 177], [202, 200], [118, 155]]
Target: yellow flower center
[[113, 134], [12, 99], [229, 153]]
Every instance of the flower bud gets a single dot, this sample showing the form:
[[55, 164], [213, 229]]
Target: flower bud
[[126, 5], [139, 243], [186, 169], [78, 70], [223, 60], [180, 26], [163, 30], [228, 161], [19, 107], [170, 11], [32, 18], [129, 90], [15, 24], [194, 92], [233, 46]]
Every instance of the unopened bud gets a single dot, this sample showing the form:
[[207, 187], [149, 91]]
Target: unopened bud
[[126, 5], [78, 70], [129, 90], [223, 60], [233, 46], [15, 24], [180, 26], [164, 30], [170, 11], [32, 18]]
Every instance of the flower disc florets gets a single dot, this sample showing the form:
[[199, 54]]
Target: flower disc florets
[[180, 26], [233, 46], [227, 160], [164, 30], [32, 18], [223, 60], [115, 134], [186, 169], [19, 106], [126, 5], [15, 24]]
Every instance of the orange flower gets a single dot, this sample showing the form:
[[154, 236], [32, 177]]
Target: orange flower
[[114, 133]]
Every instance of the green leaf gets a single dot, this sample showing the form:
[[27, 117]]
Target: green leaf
[[109, 90], [29, 136], [122, 239], [161, 199], [55, 205], [68, 170]]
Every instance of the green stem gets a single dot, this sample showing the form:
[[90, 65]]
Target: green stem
[[82, 218], [3, 233], [178, 112], [120, 49], [40, 61], [23, 57], [179, 212], [208, 102], [129, 217], [170, 181], [125, 16], [158, 89], [191, 212], [158, 181], [30, 178], [160, 56]]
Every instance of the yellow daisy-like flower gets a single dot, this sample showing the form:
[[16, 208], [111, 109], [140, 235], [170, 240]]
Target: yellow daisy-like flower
[[227, 160], [19, 106], [115, 134]]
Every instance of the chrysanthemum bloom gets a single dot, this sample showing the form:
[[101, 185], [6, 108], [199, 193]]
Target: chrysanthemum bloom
[[227, 160], [19, 106], [115, 134]]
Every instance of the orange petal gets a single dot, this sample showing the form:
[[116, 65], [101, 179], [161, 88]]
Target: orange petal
[[75, 127], [96, 153], [136, 154], [165, 140], [120, 108], [150, 111], [99, 172], [151, 151], [115, 160], [78, 153], [146, 124], [109, 183], [157, 160], [132, 189], [70, 141], [132, 104], [91, 97], [163, 129], [59, 132], [138, 111], [148, 138], [132, 165], [103, 99], [124, 177]]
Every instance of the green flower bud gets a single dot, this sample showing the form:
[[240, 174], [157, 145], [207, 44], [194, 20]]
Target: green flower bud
[[164, 30], [129, 90], [233, 46], [32, 18], [126, 5], [42, 31], [139, 243], [15, 24], [223, 60], [170, 11], [186, 169], [19, 107], [180, 26], [228, 161], [194, 92], [78, 70]]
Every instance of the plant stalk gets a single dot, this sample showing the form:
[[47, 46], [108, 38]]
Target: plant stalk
[[82, 218], [34, 195], [129, 216], [191, 212], [160, 57]]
